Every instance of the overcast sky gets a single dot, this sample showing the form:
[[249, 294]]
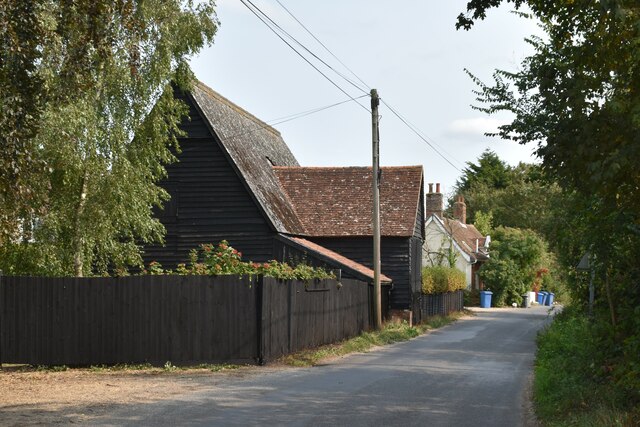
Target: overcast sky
[[408, 50]]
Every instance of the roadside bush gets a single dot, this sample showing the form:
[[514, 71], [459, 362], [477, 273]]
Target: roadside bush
[[517, 256], [439, 279], [504, 279], [471, 297], [573, 377], [222, 259]]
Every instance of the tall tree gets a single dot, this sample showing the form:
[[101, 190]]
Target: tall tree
[[489, 170], [528, 200], [98, 101], [578, 97]]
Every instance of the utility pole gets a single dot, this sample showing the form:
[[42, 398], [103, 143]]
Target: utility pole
[[377, 300]]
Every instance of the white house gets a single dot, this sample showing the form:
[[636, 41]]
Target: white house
[[451, 241]]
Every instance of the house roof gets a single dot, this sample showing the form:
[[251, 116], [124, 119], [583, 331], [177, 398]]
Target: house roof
[[337, 201], [254, 147], [465, 235], [336, 259]]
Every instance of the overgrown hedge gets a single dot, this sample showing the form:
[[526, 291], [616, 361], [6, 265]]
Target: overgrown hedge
[[439, 279]]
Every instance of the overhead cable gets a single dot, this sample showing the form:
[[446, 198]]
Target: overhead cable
[[264, 17], [416, 131], [322, 44]]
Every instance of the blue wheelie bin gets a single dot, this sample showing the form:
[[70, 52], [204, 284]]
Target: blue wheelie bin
[[549, 299], [542, 296], [485, 299], [546, 298]]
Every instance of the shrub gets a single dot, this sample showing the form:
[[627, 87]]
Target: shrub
[[471, 297], [222, 259], [515, 266], [439, 279], [574, 377]]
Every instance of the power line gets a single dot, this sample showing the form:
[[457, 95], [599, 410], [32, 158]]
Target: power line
[[292, 117], [440, 147], [415, 130], [295, 116], [322, 44], [259, 14], [253, 8]]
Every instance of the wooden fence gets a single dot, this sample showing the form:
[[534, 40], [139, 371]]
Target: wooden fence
[[441, 304], [181, 319]]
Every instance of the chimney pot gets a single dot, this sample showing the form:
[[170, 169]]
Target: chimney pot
[[434, 202], [460, 209]]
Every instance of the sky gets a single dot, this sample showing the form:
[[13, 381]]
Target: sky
[[409, 51]]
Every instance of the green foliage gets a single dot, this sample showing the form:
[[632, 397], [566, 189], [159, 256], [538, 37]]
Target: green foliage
[[222, 259], [92, 102], [529, 199], [579, 85], [577, 97], [571, 385], [490, 171], [439, 279], [483, 222], [471, 297], [516, 256], [390, 333]]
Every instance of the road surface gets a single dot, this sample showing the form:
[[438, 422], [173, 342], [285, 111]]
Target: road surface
[[471, 373]]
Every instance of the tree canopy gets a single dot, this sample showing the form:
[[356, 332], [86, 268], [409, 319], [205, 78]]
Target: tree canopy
[[578, 98], [578, 95], [88, 121], [516, 256], [489, 170]]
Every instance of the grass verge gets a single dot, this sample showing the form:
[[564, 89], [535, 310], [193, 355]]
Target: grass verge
[[389, 334], [571, 386]]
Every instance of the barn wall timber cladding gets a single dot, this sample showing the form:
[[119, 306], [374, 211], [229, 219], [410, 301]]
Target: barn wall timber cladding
[[209, 202], [181, 319], [395, 261]]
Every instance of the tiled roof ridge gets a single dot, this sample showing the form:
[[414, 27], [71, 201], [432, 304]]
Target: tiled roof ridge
[[236, 108], [346, 167]]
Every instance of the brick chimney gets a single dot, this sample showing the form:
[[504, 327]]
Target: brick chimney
[[434, 201], [460, 209]]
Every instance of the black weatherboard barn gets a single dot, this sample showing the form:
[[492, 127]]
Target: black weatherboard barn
[[232, 182]]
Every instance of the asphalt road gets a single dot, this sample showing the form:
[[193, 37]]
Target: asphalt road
[[471, 373]]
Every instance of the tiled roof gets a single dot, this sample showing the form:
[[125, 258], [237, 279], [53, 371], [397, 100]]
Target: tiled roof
[[465, 236], [341, 261], [337, 201], [254, 148]]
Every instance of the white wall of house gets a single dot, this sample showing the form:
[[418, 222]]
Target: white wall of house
[[436, 247]]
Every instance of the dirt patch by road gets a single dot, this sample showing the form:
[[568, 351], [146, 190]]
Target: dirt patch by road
[[79, 396]]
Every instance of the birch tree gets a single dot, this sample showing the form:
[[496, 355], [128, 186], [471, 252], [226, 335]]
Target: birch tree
[[99, 101]]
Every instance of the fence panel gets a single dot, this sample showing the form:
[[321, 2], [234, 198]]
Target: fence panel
[[181, 319], [441, 304], [313, 313], [72, 321]]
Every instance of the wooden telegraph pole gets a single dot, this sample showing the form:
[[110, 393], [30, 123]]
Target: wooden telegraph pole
[[377, 300]]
